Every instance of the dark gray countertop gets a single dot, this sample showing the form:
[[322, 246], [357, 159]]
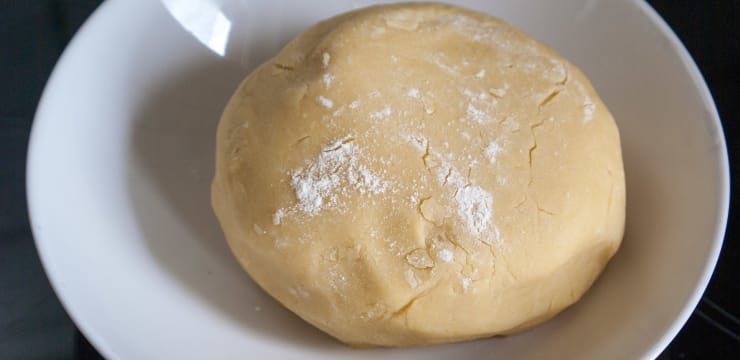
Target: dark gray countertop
[[33, 324]]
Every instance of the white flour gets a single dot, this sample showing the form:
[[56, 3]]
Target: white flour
[[474, 205], [321, 183], [382, 114], [588, 111], [492, 151], [474, 208], [327, 103], [445, 255], [327, 79]]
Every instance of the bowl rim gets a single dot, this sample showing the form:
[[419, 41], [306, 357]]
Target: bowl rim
[[720, 226], [35, 204]]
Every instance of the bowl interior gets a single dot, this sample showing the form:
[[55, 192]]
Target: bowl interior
[[122, 154]]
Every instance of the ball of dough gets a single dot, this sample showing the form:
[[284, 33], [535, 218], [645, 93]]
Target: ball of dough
[[419, 174]]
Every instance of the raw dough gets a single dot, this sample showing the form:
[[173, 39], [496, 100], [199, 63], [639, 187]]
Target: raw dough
[[419, 174]]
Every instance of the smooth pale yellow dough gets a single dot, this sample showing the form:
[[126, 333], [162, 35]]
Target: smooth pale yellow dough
[[419, 174]]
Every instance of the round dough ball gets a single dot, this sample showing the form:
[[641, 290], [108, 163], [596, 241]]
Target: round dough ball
[[419, 174]]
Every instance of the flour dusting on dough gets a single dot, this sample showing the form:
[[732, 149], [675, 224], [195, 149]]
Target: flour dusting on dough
[[588, 111], [327, 103], [474, 205], [327, 79], [321, 183], [492, 151]]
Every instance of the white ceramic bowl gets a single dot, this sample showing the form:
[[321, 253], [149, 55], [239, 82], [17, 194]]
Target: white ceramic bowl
[[121, 159]]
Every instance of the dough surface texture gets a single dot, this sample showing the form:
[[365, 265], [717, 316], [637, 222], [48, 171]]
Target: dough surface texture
[[417, 174]]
